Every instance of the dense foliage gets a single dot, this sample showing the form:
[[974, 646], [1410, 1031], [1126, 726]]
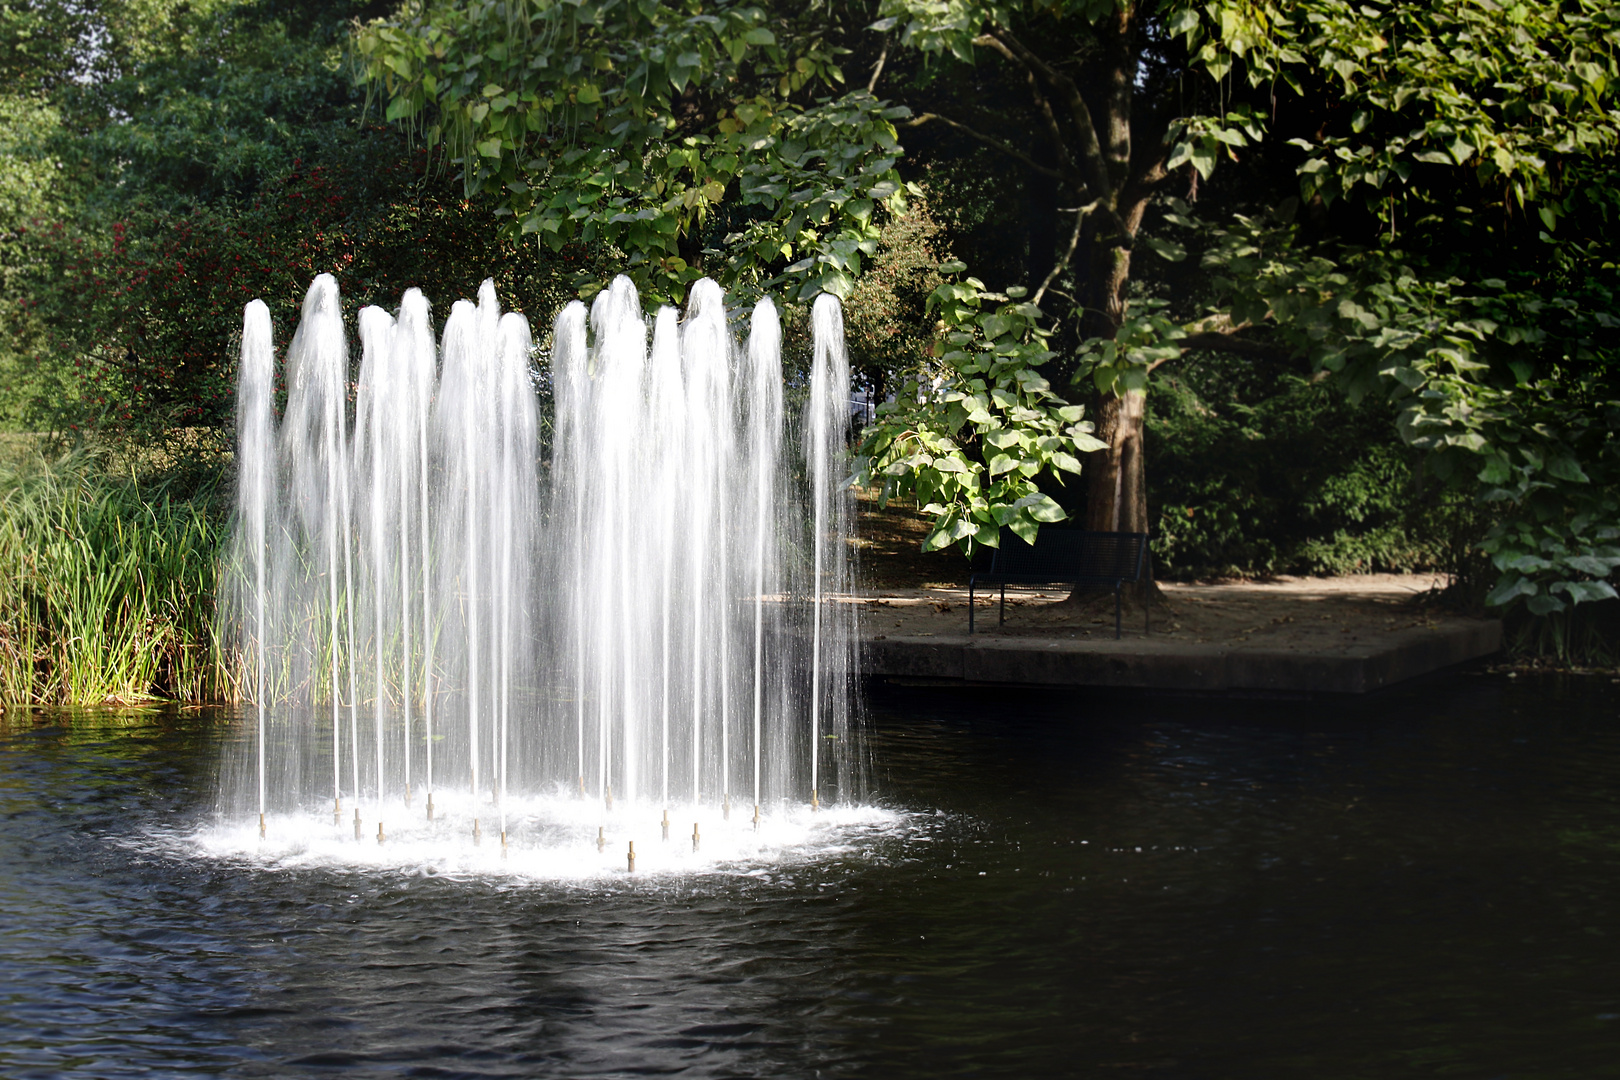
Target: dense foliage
[[240, 166], [1096, 249], [1453, 253], [687, 135], [1259, 470]]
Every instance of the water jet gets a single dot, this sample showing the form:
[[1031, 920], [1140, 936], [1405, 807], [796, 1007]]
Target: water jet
[[401, 539]]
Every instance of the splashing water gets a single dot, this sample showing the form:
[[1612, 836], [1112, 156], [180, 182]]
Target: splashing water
[[448, 633]]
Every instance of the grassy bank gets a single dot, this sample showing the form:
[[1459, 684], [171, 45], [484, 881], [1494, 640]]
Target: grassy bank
[[106, 584]]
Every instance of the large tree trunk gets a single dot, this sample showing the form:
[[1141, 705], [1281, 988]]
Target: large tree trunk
[[1116, 488]]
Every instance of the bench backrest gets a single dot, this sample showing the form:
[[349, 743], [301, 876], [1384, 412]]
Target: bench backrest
[[1060, 555]]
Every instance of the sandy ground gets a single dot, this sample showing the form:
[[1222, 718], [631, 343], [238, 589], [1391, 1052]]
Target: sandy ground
[[1295, 612]]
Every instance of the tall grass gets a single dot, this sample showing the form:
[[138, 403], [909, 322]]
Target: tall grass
[[106, 586]]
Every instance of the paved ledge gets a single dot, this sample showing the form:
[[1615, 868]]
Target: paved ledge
[[1162, 662]]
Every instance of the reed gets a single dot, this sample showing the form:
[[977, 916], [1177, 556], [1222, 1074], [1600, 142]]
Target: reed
[[107, 586]]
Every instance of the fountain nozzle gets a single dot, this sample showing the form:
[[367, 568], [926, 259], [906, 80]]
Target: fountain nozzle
[[582, 786], [610, 796], [601, 839], [503, 843], [478, 837], [725, 808], [261, 826], [430, 806], [380, 836], [694, 836], [357, 823], [666, 824], [407, 795], [815, 803], [756, 817], [632, 856], [337, 811]]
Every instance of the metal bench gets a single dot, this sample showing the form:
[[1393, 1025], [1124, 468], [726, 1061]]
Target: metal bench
[[1067, 557]]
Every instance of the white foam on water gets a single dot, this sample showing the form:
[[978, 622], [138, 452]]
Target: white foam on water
[[550, 838]]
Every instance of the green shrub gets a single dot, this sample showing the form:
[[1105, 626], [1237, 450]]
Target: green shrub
[[1257, 471]]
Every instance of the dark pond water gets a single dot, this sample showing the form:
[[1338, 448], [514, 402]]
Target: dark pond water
[[1419, 883]]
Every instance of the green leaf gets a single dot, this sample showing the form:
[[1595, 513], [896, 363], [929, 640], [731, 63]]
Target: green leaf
[[1544, 604], [1566, 468], [1046, 510], [1510, 588], [1585, 592], [1590, 564], [1167, 249], [1182, 22], [1203, 159]]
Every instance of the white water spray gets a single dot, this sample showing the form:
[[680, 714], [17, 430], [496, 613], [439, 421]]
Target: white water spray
[[673, 578]]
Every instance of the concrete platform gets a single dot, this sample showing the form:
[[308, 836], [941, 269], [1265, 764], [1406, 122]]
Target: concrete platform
[[1180, 665]]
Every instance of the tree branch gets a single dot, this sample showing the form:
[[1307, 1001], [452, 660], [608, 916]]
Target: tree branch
[[877, 69], [1093, 165], [1074, 242], [1045, 170], [1042, 105]]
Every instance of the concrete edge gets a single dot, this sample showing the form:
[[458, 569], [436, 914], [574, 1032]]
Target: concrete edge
[[1175, 666]]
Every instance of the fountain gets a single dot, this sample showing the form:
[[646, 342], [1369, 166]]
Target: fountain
[[561, 646]]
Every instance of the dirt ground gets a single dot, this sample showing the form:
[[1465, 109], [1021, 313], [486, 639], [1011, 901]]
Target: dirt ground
[[1301, 613], [906, 593]]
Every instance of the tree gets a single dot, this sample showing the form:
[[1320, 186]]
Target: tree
[[687, 135], [222, 158], [1465, 131]]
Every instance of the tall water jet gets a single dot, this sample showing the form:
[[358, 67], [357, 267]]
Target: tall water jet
[[484, 541], [667, 389], [374, 425], [314, 444], [255, 487], [667, 612], [516, 505], [707, 353], [763, 402], [826, 419], [571, 385]]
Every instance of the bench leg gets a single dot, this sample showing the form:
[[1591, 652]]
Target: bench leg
[[1116, 612], [1003, 620], [970, 604], [1147, 603]]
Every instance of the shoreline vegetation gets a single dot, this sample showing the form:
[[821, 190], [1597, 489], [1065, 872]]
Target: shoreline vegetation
[[111, 562], [107, 582]]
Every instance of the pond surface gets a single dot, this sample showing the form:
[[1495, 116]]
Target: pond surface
[[1421, 882]]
